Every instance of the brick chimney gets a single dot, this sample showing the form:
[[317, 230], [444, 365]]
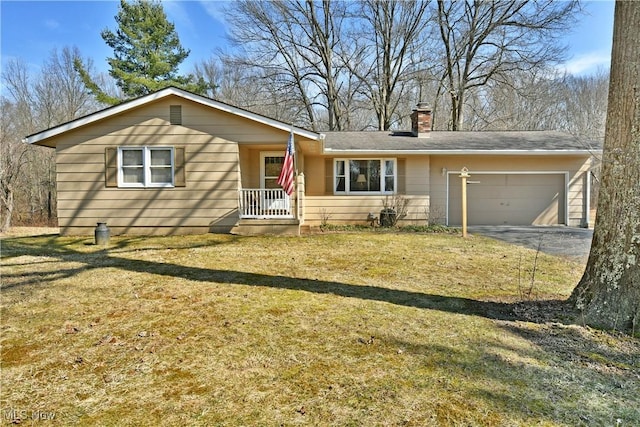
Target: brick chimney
[[421, 120]]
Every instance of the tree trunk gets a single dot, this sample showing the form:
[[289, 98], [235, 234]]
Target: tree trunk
[[8, 209], [609, 292]]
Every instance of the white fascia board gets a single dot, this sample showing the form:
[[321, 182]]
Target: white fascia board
[[99, 115], [128, 105], [463, 152]]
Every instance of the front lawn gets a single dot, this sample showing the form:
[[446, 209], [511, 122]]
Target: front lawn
[[330, 329]]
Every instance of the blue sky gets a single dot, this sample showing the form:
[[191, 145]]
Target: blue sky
[[30, 30]]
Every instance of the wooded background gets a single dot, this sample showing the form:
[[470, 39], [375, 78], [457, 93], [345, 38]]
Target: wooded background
[[335, 65]]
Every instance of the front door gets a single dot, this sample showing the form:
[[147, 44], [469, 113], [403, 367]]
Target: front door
[[271, 167], [274, 198]]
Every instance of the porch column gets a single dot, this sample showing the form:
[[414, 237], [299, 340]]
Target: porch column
[[300, 192]]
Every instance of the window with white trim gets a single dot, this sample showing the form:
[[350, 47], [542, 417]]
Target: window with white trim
[[365, 176], [145, 167], [271, 167]]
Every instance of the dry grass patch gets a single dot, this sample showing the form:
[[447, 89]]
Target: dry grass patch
[[338, 329]]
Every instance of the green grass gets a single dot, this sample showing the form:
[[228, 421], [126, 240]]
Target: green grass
[[328, 329]]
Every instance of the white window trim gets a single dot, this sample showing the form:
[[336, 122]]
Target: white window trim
[[347, 189], [263, 155], [146, 167]]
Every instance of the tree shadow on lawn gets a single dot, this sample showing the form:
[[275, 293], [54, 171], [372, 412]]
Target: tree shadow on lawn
[[567, 354], [568, 376], [533, 311]]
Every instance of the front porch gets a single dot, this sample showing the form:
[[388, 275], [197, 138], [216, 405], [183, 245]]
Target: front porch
[[268, 211], [265, 203]]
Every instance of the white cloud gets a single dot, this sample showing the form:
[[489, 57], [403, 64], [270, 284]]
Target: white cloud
[[52, 24], [586, 63], [177, 14], [215, 9]]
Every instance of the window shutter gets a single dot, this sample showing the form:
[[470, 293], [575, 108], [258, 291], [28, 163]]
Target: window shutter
[[111, 167], [179, 179], [175, 114]]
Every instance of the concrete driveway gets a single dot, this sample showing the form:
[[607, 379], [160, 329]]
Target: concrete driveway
[[571, 242]]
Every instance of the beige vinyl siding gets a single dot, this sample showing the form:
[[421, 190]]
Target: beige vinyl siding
[[250, 164], [208, 202], [415, 175], [577, 168], [321, 203], [578, 197], [401, 176], [315, 177], [347, 209]]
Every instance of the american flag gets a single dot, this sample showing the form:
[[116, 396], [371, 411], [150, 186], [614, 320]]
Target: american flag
[[285, 180]]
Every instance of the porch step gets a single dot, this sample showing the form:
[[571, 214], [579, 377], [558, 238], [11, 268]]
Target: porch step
[[256, 227]]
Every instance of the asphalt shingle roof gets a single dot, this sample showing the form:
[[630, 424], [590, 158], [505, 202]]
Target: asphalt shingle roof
[[459, 141]]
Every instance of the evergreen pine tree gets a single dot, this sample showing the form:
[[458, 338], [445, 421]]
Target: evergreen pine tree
[[146, 53]]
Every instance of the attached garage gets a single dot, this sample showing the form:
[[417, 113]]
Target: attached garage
[[509, 198]]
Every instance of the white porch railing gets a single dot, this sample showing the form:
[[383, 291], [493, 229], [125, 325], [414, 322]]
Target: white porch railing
[[264, 203]]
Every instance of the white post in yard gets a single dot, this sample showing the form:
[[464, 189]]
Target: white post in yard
[[300, 198], [464, 174]]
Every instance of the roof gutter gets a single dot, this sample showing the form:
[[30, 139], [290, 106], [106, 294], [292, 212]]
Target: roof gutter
[[465, 152]]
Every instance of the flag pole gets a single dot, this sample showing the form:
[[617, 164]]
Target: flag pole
[[295, 175], [295, 158]]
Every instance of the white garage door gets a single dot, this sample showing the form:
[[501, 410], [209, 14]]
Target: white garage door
[[509, 199]]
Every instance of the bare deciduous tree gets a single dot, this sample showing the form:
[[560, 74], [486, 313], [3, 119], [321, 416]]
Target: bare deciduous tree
[[56, 95], [383, 52], [59, 93], [541, 100], [484, 41], [211, 71], [584, 99], [293, 42], [13, 157]]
